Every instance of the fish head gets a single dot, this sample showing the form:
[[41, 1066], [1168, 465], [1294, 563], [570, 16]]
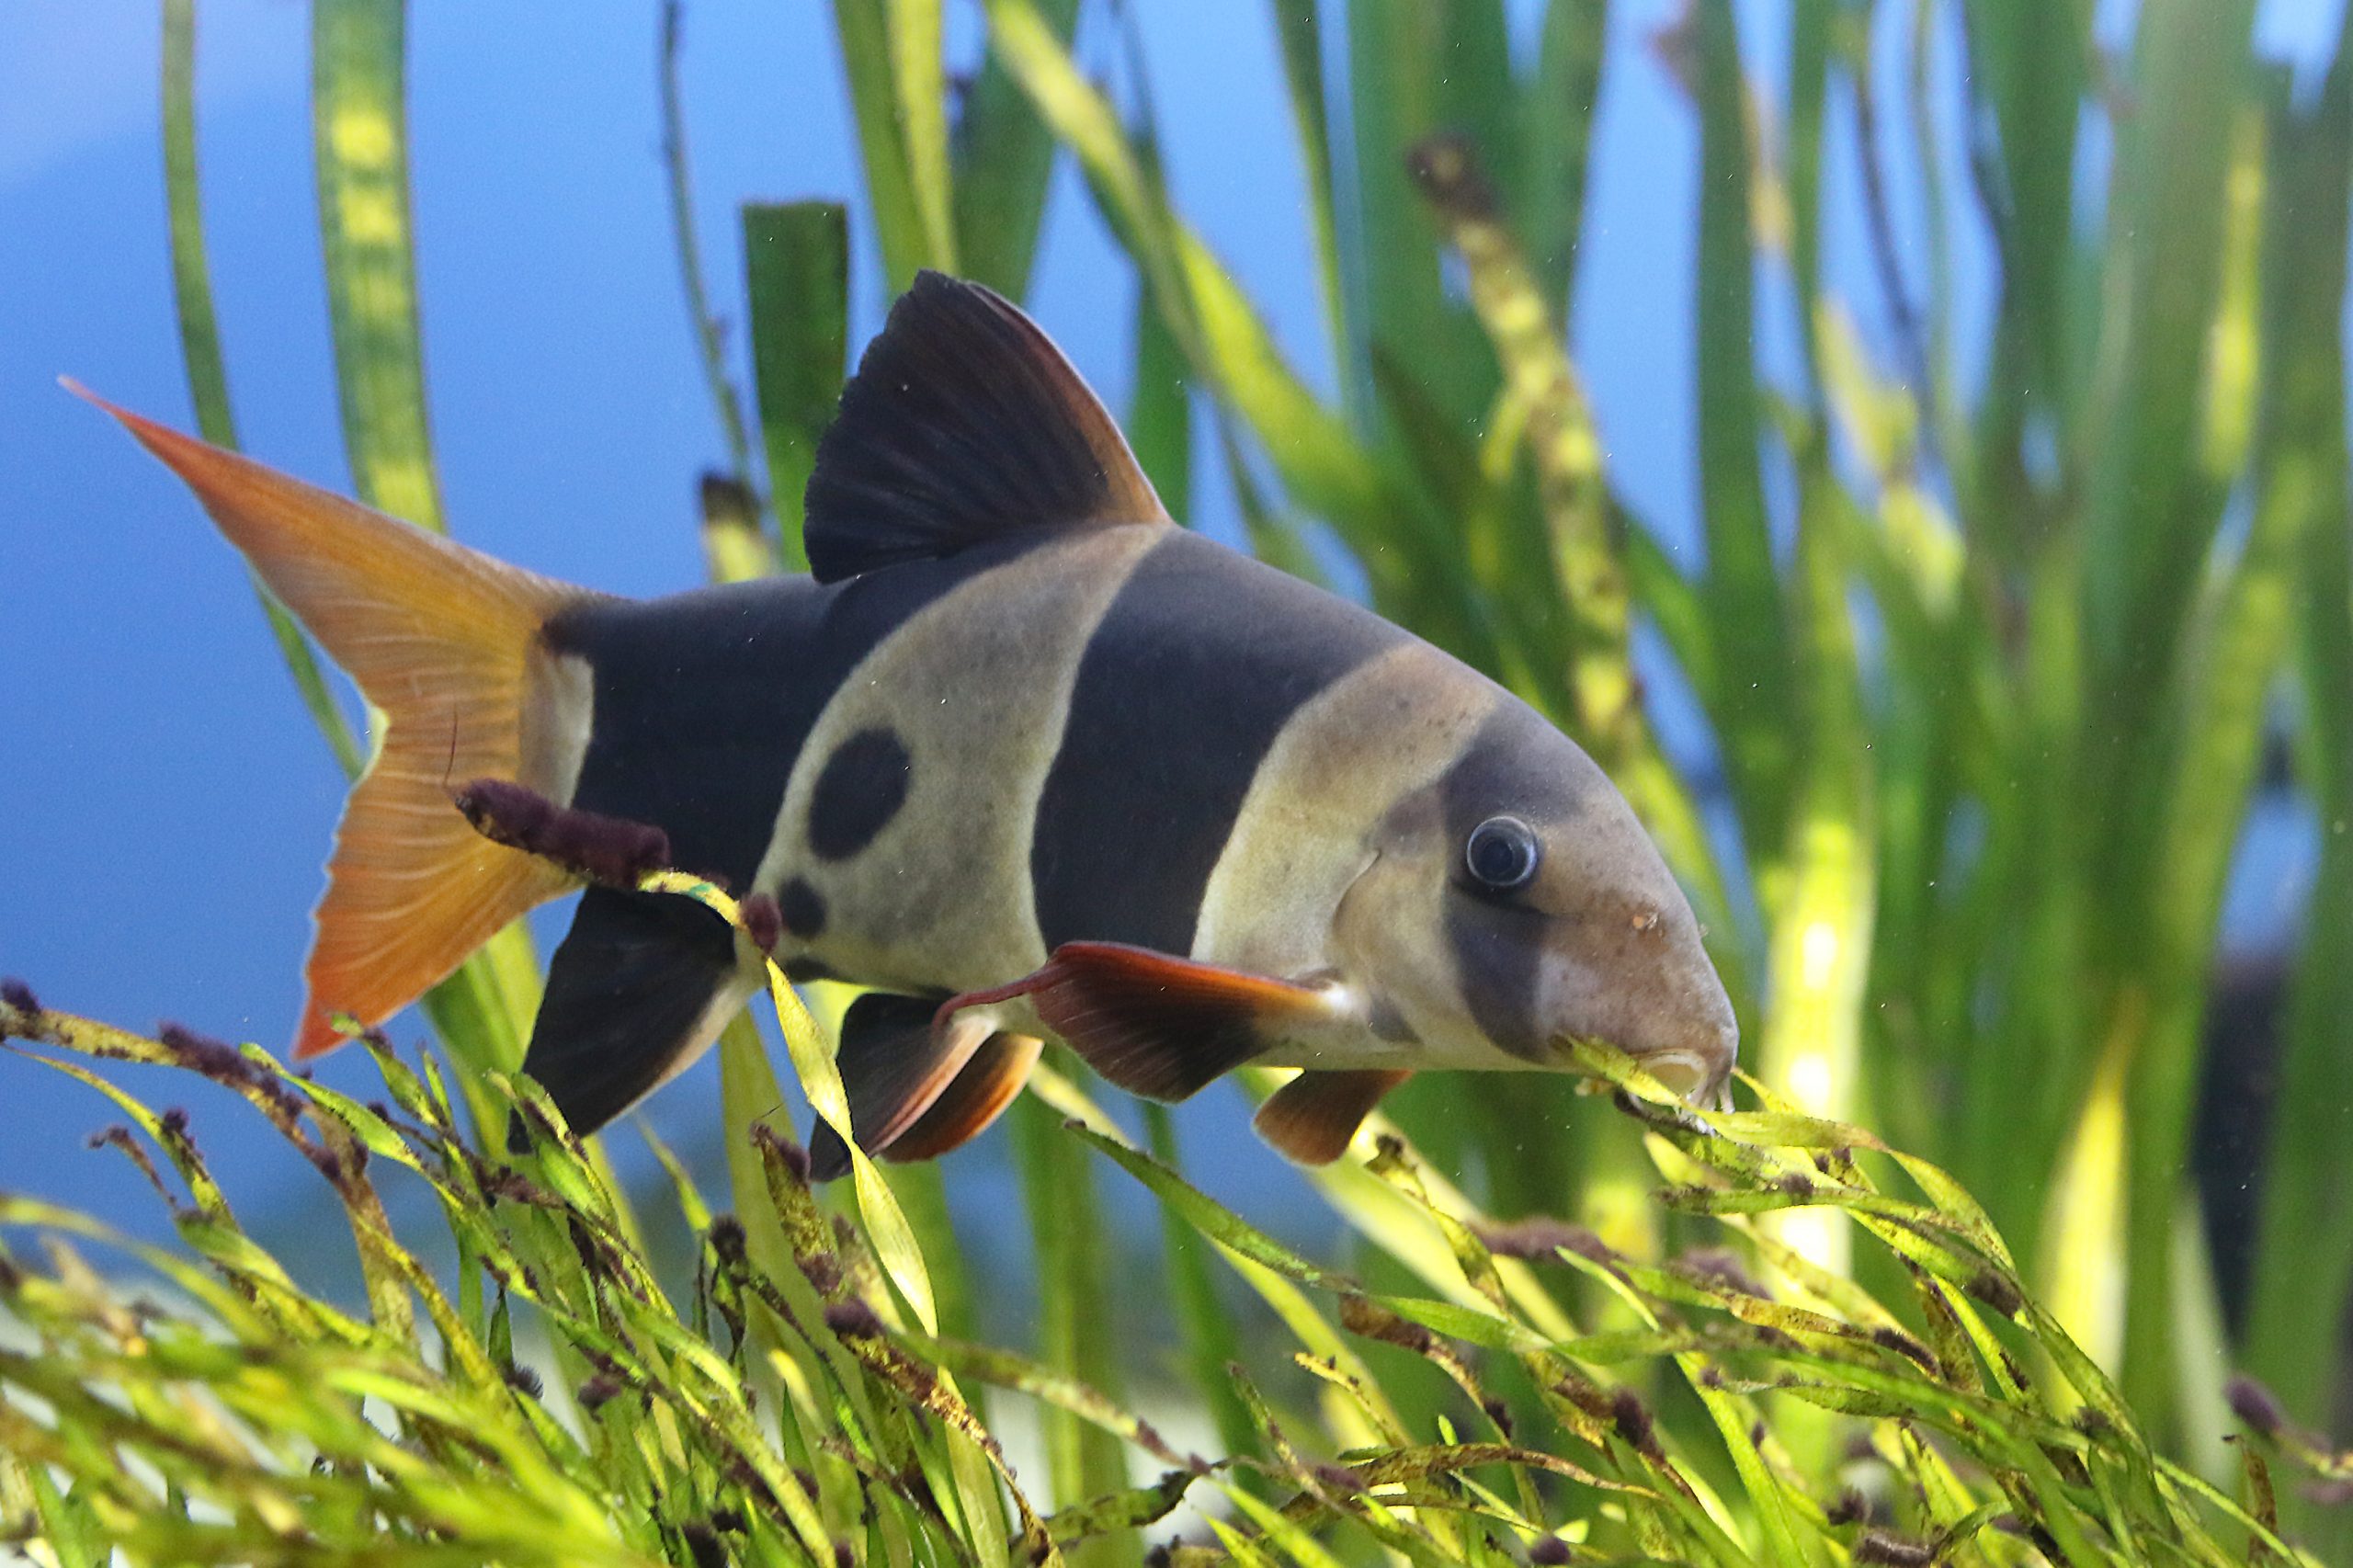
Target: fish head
[[1514, 902]]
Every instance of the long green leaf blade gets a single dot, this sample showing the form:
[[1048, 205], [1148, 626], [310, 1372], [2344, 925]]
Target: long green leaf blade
[[1004, 154], [208, 375], [796, 266], [359, 124]]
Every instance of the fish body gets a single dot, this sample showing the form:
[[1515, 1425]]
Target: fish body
[[1023, 755]]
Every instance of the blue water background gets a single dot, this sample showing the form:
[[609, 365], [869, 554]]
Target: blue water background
[[165, 804]]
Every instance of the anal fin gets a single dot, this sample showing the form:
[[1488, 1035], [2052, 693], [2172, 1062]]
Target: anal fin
[[1314, 1117], [641, 983], [895, 1064], [1157, 1025]]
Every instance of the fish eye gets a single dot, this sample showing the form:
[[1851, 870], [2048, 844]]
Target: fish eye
[[1501, 854]]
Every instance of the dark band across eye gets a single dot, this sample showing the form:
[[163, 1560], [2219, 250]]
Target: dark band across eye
[[1502, 854]]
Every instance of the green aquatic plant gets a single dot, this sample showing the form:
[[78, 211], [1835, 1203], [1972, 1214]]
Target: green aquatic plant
[[1990, 659], [1990, 664], [552, 1399]]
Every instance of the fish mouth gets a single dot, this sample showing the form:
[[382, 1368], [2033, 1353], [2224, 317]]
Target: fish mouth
[[1687, 1073], [1702, 1078]]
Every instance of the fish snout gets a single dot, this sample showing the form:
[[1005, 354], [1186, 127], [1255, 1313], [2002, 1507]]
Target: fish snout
[[1660, 1001]]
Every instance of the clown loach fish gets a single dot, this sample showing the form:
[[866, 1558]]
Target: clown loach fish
[[1021, 755]]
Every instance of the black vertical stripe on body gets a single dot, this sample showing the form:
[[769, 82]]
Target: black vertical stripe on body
[[1498, 969], [1192, 673], [704, 700]]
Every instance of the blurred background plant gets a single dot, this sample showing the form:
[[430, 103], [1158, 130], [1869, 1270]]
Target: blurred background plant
[[2010, 604]]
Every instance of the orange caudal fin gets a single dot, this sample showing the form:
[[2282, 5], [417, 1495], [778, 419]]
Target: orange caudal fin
[[444, 642]]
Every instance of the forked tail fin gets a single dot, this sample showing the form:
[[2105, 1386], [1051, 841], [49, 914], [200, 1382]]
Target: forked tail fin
[[443, 641]]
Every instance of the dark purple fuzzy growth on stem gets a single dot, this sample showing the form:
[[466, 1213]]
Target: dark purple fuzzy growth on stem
[[506, 814], [1541, 1237], [851, 1318], [1632, 1419], [1339, 1479], [1996, 1292], [2334, 1492], [1722, 1268], [2256, 1405], [1548, 1552], [1904, 1345], [609, 851], [783, 1150], [763, 921], [228, 1066], [1893, 1551], [19, 996], [215, 1059]]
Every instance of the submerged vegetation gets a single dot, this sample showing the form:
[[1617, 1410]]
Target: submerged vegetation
[[1990, 661], [799, 1403]]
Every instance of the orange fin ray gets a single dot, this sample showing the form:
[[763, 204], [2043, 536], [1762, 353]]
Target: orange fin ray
[[1158, 1026], [977, 1097], [895, 1063]]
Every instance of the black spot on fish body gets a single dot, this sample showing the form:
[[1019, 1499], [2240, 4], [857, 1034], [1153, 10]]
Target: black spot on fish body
[[1387, 1023], [803, 909], [860, 788], [704, 700]]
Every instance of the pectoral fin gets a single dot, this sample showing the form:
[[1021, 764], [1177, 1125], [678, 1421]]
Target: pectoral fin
[[1314, 1117], [895, 1064], [1157, 1025]]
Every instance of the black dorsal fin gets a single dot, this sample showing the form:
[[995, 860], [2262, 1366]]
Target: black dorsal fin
[[965, 423]]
